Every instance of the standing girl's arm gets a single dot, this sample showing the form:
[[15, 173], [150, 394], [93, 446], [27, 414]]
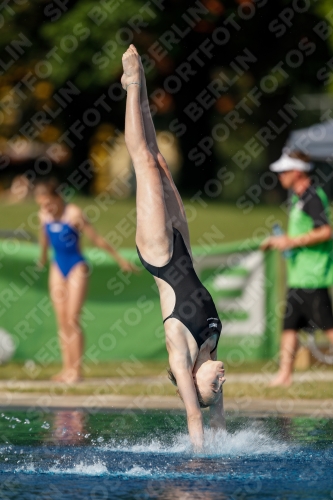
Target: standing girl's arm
[[100, 242], [44, 244]]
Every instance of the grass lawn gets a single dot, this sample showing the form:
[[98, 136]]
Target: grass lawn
[[230, 220], [115, 379], [116, 369], [242, 392], [313, 390]]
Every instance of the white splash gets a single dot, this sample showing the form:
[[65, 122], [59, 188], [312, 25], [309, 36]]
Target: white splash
[[28, 468], [138, 471], [244, 442], [251, 441], [96, 469], [180, 444]]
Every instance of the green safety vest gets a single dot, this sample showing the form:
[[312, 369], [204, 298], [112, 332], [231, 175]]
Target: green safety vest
[[312, 266]]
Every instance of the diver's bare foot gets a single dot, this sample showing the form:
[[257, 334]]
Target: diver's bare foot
[[281, 380], [131, 66]]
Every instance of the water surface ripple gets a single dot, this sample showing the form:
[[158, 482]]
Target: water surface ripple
[[141, 455]]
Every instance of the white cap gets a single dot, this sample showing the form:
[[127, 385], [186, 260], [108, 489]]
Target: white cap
[[286, 163]]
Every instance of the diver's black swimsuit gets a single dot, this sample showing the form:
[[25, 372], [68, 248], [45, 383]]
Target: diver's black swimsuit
[[194, 305]]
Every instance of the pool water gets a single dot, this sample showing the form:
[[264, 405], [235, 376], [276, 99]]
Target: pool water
[[69, 454]]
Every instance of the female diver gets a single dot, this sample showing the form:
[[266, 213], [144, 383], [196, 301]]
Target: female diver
[[61, 225], [192, 327]]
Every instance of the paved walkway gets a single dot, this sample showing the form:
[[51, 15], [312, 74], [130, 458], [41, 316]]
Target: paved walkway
[[44, 395], [234, 406], [243, 378]]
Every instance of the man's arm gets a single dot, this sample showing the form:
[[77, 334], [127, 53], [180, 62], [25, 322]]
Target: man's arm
[[321, 232], [285, 242], [317, 235]]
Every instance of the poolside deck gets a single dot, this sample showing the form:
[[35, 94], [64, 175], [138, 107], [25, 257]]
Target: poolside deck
[[45, 394]]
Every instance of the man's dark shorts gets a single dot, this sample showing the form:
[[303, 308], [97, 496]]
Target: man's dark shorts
[[309, 309]]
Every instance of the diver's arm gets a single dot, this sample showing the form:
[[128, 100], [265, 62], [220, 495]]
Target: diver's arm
[[185, 384], [216, 411], [195, 429], [216, 414], [193, 411]]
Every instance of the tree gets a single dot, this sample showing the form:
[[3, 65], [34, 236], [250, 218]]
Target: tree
[[204, 61]]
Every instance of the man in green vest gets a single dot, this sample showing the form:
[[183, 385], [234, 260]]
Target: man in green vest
[[308, 249]]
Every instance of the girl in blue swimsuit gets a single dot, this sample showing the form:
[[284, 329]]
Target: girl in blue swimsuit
[[191, 323], [61, 226]]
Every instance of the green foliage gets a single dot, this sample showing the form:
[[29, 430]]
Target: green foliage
[[87, 40], [324, 9], [99, 40]]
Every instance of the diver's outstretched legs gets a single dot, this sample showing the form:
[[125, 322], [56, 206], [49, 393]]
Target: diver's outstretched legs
[[154, 232], [172, 197]]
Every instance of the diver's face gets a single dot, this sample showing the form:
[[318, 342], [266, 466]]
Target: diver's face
[[209, 379]]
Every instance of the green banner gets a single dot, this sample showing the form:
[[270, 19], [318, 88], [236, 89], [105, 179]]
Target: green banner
[[122, 316]]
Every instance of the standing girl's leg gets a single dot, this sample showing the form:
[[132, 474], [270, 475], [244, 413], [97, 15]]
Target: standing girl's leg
[[154, 232], [58, 293], [77, 283]]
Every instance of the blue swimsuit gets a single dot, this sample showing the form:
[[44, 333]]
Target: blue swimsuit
[[65, 242]]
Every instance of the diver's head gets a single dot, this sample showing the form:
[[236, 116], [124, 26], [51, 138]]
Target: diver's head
[[208, 380], [48, 198]]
